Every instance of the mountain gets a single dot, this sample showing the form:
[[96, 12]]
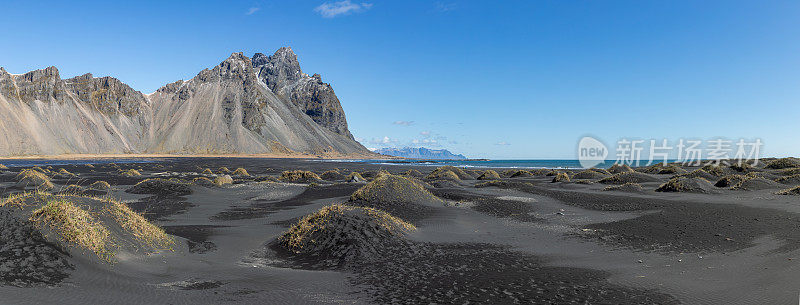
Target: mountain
[[264, 105], [420, 153]]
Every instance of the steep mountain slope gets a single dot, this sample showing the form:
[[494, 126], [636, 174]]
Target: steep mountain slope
[[281, 73], [224, 110]]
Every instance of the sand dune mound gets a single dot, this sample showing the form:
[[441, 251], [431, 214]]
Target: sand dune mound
[[203, 181], [31, 178], [240, 172], [414, 173], [100, 186], [589, 174], [619, 168], [401, 196], [741, 167], [299, 176], [332, 175], [460, 172], [792, 191], [715, 169], [130, 173], [625, 177], [369, 175], [64, 174], [355, 177], [443, 174], [489, 175], [730, 180], [789, 171], [688, 185], [223, 170], [627, 187], [791, 180], [72, 189], [521, 174], [89, 227], [561, 177], [783, 163], [207, 171], [162, 187], [755, 184], [338, 235], [698, 173]]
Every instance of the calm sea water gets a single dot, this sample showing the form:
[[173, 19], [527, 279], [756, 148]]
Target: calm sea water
[[496, 163]]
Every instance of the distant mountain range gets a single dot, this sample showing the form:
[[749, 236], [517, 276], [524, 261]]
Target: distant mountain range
[[259, 105], [420, 153]]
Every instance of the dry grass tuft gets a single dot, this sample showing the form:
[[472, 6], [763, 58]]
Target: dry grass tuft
[[561, 177], [203, 181], [462, 175], [75, 226], [489, 175], [131, 173], [100, 186], [619, 168], [223, 170], [240, 172], [590, 174], [160, 186], [355, 177], [207, 171], [793, 179], [783, 163], [34, 178], [625, 177], [792, 191], [151, 235], [730, 180], [681, 184], [443, 174], [3, 166], [332, 175], [393, 189], [299, 176]]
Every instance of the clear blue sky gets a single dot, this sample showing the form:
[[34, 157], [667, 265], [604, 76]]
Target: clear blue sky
[[498, 79]]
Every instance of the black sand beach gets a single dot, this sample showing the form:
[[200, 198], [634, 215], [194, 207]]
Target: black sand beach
[[516, 237]]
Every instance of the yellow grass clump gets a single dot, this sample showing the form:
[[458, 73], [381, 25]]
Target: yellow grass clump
[[329, 228], [224, 170], [619, 168], [34, 178], [355, 177], [151, 235], [3, 166], [462, 175], [75, 226], [783, 163], [299, 176], [131, 173], [792, 191], [240, 172], [489, 175], [100, 186], [207, 171], [393, 189], [561, 177], [443, 174]]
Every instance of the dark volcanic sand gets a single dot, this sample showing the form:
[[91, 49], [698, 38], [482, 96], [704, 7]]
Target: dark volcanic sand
[[522, 241]]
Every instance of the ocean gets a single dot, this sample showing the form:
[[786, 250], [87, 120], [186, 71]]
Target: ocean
[[554, 164]]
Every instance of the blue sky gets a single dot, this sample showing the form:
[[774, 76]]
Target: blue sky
[[496, 79]]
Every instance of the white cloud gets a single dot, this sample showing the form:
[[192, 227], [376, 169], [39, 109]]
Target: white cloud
[[252, 10], [384, 140], [333, 9], [502, 143], [403, 123], [425, 133]]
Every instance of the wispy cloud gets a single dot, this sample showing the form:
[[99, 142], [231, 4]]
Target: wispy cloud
[[333, 9], [503, 143], [403, 123], [444, 7], [252, 10], [425, 133], [384, 140]]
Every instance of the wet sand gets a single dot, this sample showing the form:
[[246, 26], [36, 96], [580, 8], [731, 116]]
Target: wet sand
[[525, 240]]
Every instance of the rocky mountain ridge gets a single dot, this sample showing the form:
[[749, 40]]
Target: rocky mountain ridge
[[261, 106]]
